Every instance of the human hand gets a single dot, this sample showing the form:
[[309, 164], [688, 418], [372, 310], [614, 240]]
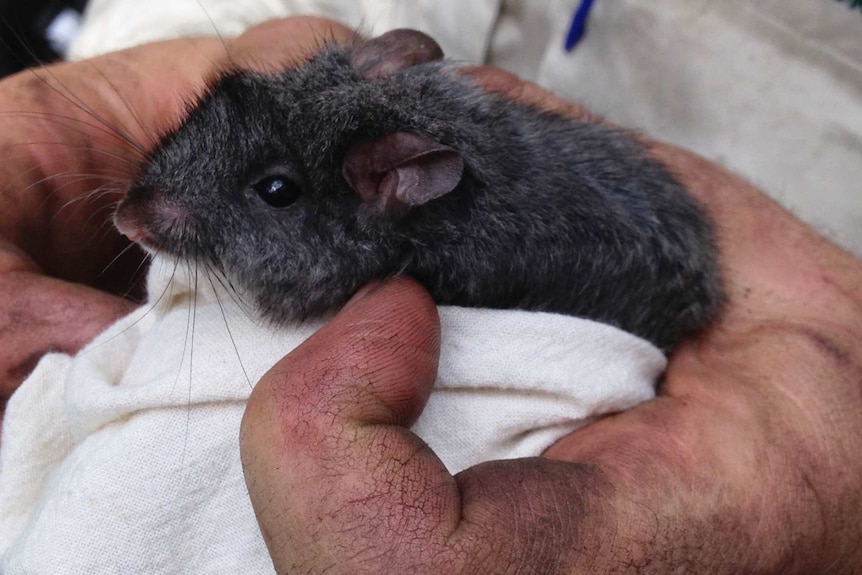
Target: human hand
[[747, 462], [73, 136]]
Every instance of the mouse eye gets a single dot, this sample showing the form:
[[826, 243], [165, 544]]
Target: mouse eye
[[278, 191]]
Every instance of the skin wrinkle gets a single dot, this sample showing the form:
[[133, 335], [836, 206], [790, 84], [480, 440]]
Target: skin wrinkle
[[824, 365], [654, 536], [485, 499], [335, 377], [387, 342]]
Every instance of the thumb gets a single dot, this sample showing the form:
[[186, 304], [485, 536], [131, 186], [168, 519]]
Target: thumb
[[340, 485], [324, 440]]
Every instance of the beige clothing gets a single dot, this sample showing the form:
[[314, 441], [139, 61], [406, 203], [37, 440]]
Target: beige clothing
[[771, 89]]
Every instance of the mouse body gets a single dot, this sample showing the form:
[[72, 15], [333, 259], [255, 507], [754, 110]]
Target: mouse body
[[380, 158]]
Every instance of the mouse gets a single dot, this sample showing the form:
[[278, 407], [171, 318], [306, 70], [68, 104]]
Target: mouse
[[380, 157]]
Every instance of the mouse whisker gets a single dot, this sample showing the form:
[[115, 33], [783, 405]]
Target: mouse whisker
[[53, 82], [218, 34], [109, 188], [120, 182], [152, 305], [76, 125], [105, 225], [188, 321], [126, 136], [231, 291], [193, 303], [136, 277], [45, 166], [227, 327], [124, 251]]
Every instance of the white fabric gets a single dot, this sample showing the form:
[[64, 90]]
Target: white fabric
[[125, 459], [772, 89]]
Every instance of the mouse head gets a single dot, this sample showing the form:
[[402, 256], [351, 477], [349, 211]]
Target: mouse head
[[294, 186]]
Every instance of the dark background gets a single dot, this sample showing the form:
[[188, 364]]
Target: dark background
[[22, 31]]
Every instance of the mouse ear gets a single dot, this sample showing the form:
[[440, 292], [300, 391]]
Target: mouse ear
[[393, 51], [400, 170]]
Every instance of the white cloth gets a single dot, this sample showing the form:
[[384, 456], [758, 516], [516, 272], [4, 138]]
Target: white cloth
[[125, 459], [772, 89]]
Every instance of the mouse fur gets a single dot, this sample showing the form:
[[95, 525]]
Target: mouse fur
[[527, 209]]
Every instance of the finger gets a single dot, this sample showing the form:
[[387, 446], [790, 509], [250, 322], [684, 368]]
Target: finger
[[511, 86], [48, 315], [279, 44], [326, 428], [337, 480], [74, 135]]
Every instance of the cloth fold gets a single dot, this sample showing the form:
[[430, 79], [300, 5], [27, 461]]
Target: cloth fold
[[125, 458]]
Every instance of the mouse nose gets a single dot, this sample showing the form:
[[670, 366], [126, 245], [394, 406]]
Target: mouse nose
[[130, 226], [147, 218], [132, 215]]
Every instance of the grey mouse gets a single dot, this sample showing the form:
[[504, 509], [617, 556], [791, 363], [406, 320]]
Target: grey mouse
[[379, 158]]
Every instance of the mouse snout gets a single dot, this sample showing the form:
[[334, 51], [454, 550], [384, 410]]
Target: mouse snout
[[151, 221], [129, 221], [132, 230]]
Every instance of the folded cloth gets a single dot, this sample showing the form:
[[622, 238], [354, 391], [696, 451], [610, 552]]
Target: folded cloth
[[125, 458]]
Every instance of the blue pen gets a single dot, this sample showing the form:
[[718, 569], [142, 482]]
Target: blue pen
[[579, 24]]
